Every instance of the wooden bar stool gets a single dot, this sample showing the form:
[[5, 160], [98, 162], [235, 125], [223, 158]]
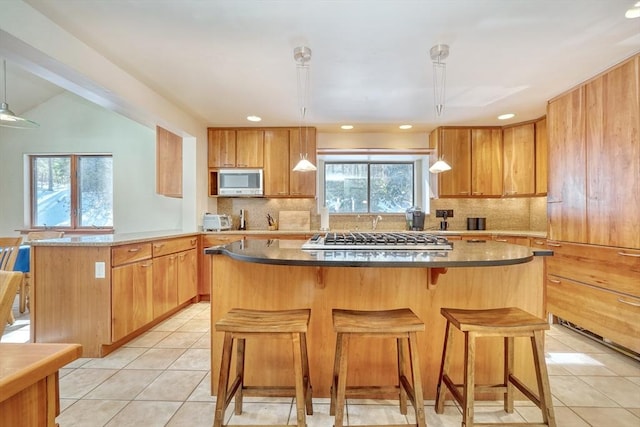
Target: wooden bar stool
[[240, 324], [401, 324], [503, 322]]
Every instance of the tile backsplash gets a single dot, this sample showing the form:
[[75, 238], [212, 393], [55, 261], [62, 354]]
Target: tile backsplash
[[518, 214]]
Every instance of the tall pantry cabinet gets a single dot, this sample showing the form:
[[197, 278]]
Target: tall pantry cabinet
[[594, 205]]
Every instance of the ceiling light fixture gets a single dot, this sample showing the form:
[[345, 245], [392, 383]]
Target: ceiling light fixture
[[506, 116], [8, 117], [254, 118], [346, 127], [404, 127], [439, 53], [633, 12], [302, 56]]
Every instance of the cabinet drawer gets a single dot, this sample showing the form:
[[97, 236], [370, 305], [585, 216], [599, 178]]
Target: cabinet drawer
[[609, 314], [130, 253], [170, 246], [220, 239], [615, 269]]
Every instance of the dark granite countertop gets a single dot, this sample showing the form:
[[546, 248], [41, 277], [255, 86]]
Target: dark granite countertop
[[463, 254]]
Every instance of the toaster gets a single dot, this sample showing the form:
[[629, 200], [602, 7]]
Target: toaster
[[216, 222]]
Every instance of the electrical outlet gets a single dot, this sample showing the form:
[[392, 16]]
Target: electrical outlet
[[444, 213], [100, 270]]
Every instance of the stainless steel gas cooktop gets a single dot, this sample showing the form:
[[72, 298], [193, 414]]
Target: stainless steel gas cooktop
[[378, 241]]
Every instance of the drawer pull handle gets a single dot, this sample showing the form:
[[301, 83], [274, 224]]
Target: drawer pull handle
[[502, 240], [134, 250], [627, 254], [635, 304], [193, 242], [555, 245], [554, 281], [538, 242], [158, 245], [146, 265]]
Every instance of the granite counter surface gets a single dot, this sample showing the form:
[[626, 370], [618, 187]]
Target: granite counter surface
[[112, 239], [463, 254]]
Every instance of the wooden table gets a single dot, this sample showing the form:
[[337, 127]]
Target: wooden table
[[29, 392]]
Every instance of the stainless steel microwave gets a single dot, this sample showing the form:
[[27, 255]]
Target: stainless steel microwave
[[240, 182]]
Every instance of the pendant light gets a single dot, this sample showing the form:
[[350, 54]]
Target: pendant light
[[439, 166], [302, 56], [7, 117], [438, 54]]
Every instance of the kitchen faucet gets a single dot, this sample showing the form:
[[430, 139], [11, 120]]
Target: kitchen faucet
[[374, 222]]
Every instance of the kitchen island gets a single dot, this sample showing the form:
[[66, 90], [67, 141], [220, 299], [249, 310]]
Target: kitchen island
[[278, 274]]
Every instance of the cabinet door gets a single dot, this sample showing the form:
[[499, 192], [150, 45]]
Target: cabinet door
[[222, 148], [187, 275], [566, 209], [131, 298], [168, 163], [519, 160], [276, 162], [302, 184], [249, 148], [613, 157], [541, 157], [486, 162], [165, 286], [454, 147]]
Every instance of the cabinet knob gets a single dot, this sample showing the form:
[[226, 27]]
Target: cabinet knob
[[628, 254]]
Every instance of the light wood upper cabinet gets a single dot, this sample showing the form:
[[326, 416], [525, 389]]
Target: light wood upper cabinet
[[229, 148], [519, 160], [222, 148], [541, 156], [566, 209], [613, 156], [168, 163], [454, 147], [594, 160], [486, 162], [276, 162], [302, 184], [249, 148]]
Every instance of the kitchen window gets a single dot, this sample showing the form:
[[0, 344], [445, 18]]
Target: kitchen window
[[371, 185], [71, 191]]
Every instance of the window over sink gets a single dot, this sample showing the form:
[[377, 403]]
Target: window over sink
[[376, 184]]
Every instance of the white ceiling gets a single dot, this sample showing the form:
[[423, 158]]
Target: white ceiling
[[222, 60]]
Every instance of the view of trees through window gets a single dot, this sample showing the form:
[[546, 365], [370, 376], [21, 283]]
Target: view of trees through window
[[72, 191], [368, 187]]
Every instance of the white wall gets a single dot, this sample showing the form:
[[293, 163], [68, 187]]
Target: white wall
[[70, 124], [37, 44]]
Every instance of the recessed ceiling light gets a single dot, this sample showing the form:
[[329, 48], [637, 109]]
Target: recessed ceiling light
[[506, 116], [254, 118], [405, 126], [633, 12], [346, 127]]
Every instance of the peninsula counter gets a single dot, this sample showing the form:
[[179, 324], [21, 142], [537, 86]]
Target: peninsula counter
[[278, 274]]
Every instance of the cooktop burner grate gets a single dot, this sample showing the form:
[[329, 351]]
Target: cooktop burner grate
[[380, 241]]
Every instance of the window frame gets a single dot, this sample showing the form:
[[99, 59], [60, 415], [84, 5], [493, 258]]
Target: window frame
[[421, 176], [74, 190]]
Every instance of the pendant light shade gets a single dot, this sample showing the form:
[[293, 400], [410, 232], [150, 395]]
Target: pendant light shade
[[7, 117], [440, 166], [302, 56]]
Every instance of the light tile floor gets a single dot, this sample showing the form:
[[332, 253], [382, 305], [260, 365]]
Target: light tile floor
[[163, 378]]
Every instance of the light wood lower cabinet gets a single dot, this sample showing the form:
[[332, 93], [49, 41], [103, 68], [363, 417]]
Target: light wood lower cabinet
[[131, 298], [596, 287], [187, 275], [73, 301]]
